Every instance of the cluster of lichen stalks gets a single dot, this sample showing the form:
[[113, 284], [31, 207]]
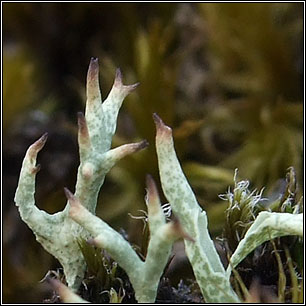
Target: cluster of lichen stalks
[[59, 233]]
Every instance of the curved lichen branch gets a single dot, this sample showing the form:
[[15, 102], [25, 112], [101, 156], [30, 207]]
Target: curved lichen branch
[[36, 147], [144, 276], [202, 253], [118, 83], [267, 226], [24, 197]]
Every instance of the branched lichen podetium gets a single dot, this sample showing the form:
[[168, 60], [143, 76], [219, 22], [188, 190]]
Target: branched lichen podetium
[[57, 233]]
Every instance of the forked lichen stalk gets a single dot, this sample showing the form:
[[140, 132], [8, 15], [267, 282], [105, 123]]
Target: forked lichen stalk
[[58, 233]]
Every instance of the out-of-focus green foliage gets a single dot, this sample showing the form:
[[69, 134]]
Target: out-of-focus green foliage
[[253, 48], [155, 94], [19, 90], [253, 55], [227, 76], [155, 68]]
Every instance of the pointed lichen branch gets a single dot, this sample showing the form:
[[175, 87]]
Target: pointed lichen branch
[[114, 100], [144, 275], [118, 83], [165, 148], [93, 88], [24, 197], [177, 230], [37, 146], [202, 253], [114, 155], [58, 233]]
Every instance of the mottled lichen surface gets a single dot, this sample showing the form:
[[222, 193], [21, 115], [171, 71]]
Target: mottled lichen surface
[[144, 275], [58, 233], [267, 226], [207, 267], [202, 253]]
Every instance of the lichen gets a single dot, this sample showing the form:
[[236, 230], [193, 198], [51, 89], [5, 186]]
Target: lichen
[[58, 233]]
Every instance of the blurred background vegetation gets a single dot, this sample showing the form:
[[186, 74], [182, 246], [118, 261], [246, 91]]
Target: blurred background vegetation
[[227, 77]]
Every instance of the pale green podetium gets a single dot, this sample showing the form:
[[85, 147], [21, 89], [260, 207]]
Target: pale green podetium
[[202, 254], [267, 226], [143, 275], [58, 233]]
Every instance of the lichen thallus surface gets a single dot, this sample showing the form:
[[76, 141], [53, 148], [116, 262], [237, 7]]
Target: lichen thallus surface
[[59, 233]]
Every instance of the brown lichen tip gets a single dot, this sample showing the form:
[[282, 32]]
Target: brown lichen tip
[[119, 84], [150, 183], [151, 187], [68, 193], [73, 201], [118, 78], [130, 88], [152, 197], [83, 129], [179, 231], [75, 205], [37, 145], [93, 69], [161, 127], [142, 145], [92, 87], [43, 139], [131, 148]]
